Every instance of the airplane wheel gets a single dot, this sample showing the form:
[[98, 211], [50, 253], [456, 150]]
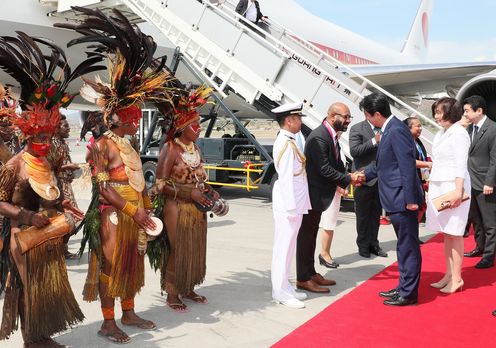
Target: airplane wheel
[[149, 172]]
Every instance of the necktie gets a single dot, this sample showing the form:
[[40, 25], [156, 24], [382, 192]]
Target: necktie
[[377, 130], [337, 147], [299, 141], [476, 129]]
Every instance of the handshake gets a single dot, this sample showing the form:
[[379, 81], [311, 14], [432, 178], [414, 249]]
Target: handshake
[[357, 178]]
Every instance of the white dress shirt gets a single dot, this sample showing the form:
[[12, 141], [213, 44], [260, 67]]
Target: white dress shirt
[[251, 12]]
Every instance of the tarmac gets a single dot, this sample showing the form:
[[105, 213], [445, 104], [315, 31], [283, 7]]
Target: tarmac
[[240, 312]]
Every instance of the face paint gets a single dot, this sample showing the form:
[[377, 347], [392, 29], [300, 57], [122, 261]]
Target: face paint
[[40, 149], [195, 128]]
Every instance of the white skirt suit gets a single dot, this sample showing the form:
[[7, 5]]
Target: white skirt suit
[[449, 161]]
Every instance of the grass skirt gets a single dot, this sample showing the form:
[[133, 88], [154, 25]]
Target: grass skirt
[[46, 302], [190, 250]]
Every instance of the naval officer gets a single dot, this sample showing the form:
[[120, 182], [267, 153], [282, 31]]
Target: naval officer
[[290, 200]]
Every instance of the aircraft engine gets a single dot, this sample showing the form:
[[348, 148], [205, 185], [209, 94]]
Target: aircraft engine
[[483, 85]]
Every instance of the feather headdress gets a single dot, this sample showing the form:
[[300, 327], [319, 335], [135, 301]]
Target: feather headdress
[[181, 110], [42, 93], [135, 76]]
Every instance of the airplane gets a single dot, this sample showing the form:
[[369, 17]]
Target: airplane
[[402, 73]]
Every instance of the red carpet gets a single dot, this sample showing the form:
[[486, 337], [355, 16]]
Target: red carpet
[[359, 319]]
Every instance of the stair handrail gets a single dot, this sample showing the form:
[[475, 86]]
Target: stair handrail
[[314, 49]]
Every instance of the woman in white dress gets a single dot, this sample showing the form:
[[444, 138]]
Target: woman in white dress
[[449, 175], [328, 222]]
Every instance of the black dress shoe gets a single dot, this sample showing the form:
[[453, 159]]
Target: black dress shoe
[[474, 253], [484, 264], [364, 253], [400, 301], [390, 294], [378, 251], [324, 262]]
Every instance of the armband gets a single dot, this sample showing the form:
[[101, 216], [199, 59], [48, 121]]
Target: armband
[[129, 209], [102, 177]]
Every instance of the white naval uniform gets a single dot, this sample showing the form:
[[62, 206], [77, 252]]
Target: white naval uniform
[[290, 200]]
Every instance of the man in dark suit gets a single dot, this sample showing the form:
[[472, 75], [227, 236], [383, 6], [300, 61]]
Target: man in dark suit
[[400, 194], [325, 170], [364, 139], [482, 169], [244, 8], [250, 9]]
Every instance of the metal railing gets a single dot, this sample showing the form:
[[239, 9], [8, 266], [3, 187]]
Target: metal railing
[[249, 184], [322, 56]]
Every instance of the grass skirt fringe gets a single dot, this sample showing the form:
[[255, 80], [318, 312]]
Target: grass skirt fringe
[[49, 303], [11, 305], [191, 250], [127, 276]]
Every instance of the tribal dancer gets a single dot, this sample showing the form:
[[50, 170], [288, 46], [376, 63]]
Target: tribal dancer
[[33, 271], [7, 134], [60, 160], [7, 109], [181, 180], [119, 214]]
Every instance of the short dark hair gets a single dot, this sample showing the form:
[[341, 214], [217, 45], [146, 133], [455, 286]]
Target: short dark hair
[[376, 102], [452, 109], [475, 102], [280, 120], [408, 121]]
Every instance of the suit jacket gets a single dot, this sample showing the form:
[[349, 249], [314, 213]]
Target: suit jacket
[[324, 170], [482, 155], [399, 184], [361, 148], [242, 6]]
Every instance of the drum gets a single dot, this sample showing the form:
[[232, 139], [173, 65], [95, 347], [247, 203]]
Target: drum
[[32, 237], [153, 234]]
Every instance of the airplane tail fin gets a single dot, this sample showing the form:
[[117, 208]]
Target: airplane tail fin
[[418, 39]]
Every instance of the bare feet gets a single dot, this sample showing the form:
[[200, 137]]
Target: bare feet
[[193, 296], [130, 318], [111, 331], [174, 303]]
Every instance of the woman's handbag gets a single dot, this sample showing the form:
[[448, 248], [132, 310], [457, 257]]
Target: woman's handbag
[[442, 202]]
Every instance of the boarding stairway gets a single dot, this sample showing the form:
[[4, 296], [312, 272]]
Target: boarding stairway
[[280, 67]]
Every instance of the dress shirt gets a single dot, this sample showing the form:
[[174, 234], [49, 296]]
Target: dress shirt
[[251, 12]]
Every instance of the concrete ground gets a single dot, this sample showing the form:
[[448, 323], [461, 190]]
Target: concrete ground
[[240, 312]]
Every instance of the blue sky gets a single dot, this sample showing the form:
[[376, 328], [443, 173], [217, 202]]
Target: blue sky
[[460, 30]]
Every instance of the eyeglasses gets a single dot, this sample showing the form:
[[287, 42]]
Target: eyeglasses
[[346, 117]]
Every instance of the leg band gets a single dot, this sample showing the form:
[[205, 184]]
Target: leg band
[[108, 313], [127, 304]]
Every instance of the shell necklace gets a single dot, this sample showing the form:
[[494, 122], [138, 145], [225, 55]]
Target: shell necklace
[[40, 177], [190, 154], [131, 160]]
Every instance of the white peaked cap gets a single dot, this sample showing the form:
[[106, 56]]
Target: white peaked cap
[[288, 109]]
